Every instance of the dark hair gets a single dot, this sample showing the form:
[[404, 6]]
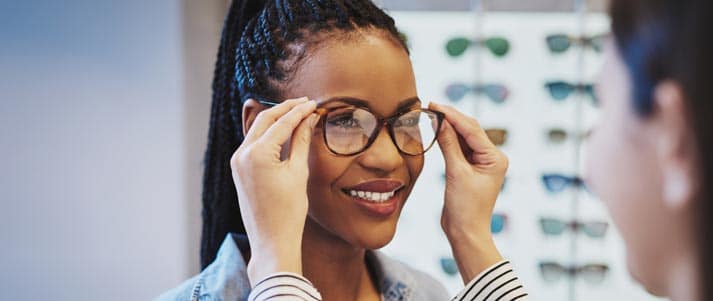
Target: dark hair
[[262, 44], [670, 40]]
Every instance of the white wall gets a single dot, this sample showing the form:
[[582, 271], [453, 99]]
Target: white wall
[[91, 150]]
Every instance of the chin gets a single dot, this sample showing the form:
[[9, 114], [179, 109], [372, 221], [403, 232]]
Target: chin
[[375, 237], [650, 286], [375, 243]]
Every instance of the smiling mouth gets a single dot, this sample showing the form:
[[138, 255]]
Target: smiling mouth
[[372, 196], [376, 191]]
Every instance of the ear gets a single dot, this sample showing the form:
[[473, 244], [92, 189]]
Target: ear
[[250, 110], [675, 146]]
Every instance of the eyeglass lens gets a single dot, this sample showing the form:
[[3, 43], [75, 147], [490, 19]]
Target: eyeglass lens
[[349, 130]]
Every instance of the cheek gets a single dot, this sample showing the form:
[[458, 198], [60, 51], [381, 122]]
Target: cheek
[[612, 173], [606, 167], [324, 167], [619, 170], [414, 166]]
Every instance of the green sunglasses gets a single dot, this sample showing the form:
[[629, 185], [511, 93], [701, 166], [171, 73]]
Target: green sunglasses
[[498, 46], [561, 90], [559, 43]]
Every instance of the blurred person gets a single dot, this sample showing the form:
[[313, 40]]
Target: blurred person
[[648, 158]]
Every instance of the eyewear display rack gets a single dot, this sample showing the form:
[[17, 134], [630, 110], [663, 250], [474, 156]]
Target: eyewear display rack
[[500, 61]]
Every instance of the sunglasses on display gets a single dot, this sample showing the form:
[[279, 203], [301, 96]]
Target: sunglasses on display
[[552, 226], [498, 222], [560, 43], [559, 136], [555, 183], [349, 129], [591, 273], [449, 266], [495, 92], [561, 90], [498, 46], [497, 135]]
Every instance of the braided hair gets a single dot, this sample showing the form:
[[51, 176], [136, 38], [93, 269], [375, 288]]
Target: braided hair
[[262, 44]]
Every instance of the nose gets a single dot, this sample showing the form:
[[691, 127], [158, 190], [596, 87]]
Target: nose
[[382, 156]]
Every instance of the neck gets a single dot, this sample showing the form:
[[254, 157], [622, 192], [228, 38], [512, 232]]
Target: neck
[[335, 267]]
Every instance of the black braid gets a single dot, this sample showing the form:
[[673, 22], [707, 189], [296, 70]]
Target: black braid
[[261, 46]]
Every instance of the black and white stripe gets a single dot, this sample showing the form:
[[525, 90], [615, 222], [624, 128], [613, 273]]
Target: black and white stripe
[[284, 286], [498, 283]]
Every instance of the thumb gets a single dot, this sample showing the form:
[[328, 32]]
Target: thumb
[[450, 146], [302, 138]]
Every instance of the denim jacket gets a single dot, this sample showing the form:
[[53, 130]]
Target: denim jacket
[[226, 278]]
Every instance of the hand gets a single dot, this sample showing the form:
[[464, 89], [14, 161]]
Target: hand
[[475, 169], [272, 193]]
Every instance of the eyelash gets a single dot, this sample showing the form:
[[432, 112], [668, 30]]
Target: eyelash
[[342, 119]]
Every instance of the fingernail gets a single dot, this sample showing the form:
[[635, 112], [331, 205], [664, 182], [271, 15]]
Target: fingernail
[[313, 120], [308, 103]]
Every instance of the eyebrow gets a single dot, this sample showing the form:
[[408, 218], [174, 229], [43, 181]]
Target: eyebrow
[[404, 104]]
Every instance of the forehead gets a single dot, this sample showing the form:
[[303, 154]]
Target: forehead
[[371, 68]]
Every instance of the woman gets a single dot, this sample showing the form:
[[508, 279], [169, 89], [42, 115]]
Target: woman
[[654, 135], [320, 184]]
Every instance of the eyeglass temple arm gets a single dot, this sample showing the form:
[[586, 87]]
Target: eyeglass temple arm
[[270, 103], [267, 102]]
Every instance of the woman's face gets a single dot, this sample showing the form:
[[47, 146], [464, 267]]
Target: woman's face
[[377, 72], [624, 170]]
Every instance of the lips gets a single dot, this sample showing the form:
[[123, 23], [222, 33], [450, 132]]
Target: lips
[[378, 198], [380, 186]]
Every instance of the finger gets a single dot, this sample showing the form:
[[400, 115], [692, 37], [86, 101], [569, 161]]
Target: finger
[[267, 117], [450, 147], [468, 128], [302, 138], [285, 126]]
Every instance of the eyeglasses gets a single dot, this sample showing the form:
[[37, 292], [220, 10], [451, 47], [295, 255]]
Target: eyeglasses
[[449, 266], [497, 135], [552, 226], [557, 183], [498, 222], [560, 90], [496, 92], [558, 136], [559, 43], [499, 46], [349, 130], [591, 273]]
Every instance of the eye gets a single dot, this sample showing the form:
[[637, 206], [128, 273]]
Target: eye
[[346, 121], [408, 120]]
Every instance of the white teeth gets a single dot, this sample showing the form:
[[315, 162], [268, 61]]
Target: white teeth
[[377, 197]]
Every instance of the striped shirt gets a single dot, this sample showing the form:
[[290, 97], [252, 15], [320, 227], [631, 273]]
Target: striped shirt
[[227, 279], [497, 283]]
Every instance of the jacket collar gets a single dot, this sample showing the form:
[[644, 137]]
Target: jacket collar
[[227, 275]]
